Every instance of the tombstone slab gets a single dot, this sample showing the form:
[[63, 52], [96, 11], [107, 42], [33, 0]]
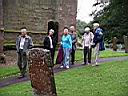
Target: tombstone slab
[[126, 43], [114, 44], [41, 72]]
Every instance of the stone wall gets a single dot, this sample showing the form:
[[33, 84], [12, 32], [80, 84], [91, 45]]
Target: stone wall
[[67, 12], [1, 41], [34, 14], [10, 37], [1, 13]]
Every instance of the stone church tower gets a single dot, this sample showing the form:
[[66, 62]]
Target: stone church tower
[[1, 13], [37, 15]]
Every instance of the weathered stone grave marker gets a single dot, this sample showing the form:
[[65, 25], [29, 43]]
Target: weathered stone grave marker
[[126, 43], [41, 72], [114, 44]]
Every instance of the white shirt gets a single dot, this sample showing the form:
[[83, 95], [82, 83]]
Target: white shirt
[[51, 45], [88, 39], [22, 43]]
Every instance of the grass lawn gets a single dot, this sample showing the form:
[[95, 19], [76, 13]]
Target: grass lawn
[[13, 70], [22, 89], [103, 54], [8, 70], [108, 79]]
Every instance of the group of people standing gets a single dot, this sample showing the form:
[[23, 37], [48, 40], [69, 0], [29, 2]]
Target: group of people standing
[[92, 39], [67, 46]]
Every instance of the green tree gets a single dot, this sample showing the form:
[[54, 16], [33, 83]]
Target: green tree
[[80, 27], [114, 19]]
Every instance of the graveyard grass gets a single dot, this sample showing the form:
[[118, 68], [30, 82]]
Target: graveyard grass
[[7, 71], [108, 79], [13, 70], [103, 54]]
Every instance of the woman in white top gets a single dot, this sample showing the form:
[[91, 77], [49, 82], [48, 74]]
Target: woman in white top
[[87, 42]]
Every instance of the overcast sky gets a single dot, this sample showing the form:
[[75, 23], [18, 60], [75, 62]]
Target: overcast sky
[[84, 9]]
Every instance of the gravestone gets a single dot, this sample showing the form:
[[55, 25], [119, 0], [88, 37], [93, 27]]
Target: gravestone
[[2, 56], [41, 72], [126, 43], [114, 44]]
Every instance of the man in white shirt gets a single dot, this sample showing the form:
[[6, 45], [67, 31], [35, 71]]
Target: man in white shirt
[[87, 42], [23, 43]]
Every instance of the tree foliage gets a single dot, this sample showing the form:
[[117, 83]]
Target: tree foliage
[[114, 18], [80, 27]]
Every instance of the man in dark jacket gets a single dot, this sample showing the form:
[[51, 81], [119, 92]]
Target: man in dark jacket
[[23, 43], [49, 44]]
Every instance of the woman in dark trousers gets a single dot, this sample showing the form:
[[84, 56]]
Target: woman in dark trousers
[[49, 43], [74, 41], [87, 43]]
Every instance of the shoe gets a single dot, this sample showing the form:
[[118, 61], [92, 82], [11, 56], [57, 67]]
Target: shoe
[[83, 63], [93, 65], [61, 67], [21, 76], [67, 67], [97, 64], [88, 63]]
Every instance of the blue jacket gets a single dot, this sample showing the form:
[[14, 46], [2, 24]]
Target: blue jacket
[[66, 41], [98, 35], [98, 38]]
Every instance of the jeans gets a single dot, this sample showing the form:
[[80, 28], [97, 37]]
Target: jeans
[[66, 56]]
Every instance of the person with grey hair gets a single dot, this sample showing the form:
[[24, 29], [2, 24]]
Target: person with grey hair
[[23, 44], [49, 43], [74, 41], [87, 40], [98, 41], [66, 43]]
